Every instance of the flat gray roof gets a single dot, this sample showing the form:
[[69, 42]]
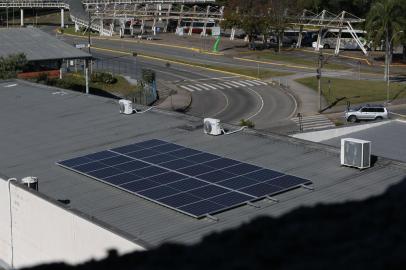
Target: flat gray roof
[[387, 140], [36, 45], [42, 125]]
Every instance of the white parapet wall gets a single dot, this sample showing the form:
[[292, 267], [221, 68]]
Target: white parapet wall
[[36, 231], [323, 135]]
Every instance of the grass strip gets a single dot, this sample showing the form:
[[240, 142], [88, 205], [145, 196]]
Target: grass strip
[[356, 91]]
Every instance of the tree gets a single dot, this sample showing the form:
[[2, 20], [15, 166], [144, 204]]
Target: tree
[[384, 21], [249, 15], [11, 65]]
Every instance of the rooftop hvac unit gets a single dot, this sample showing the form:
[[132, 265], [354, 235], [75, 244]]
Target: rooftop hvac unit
[[126, 106], [212, 126], [356, 153], [31, 182]]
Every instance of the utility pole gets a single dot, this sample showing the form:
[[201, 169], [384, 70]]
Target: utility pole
[[319, 75], [88, 30], [7, 14], [388, 60], [90, 62], [135, 59]]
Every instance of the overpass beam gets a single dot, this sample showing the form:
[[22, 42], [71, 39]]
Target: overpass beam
[[62, 18], [22, 17]]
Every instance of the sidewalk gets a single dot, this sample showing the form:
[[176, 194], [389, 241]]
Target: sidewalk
[[307, 98], [172, 98]]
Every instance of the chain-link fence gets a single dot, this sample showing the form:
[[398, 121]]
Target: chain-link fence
[[146, 95], [116, 66]]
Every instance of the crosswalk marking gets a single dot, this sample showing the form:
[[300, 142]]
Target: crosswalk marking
[[260, 82], [314, 122], [231, 84], [203, 86], [208, 85], [187, 88], [216, 85], [238, 83], [195, 87], [248, 83], [225, 85]]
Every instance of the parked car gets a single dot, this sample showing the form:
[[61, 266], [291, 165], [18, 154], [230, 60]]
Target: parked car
[[367, 112]]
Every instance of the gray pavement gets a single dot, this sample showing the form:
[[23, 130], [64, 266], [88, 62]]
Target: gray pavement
[[306, 97]]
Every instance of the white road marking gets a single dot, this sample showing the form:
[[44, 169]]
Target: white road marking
[[208, 85], [240, 84], [247, 83], [225, 107], [194, 87], [225, 85], [218, 86], [262, 104], [256, 83], [205, 79], [260, 82], [202, 86], [10, 85], [232, 84], [187, 88]]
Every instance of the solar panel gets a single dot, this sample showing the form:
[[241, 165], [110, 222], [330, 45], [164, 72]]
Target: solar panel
[[184, 179]]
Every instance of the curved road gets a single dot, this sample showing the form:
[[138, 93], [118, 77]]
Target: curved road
[[263, 104]]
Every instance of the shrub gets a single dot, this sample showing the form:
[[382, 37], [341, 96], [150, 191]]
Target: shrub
[[103, 77], [42, 77], [11, 65], [247, 123]]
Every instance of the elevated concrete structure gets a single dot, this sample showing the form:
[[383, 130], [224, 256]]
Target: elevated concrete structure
[[102, 16]]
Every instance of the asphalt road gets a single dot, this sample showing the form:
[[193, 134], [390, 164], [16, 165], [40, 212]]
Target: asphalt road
[[263, 104], [242, 99], [181, 54]]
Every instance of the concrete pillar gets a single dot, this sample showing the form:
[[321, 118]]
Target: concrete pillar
[[62, 18], [101, 27], [77, 28], [22, 17], [232, 36], [142, 26], [154, 27]]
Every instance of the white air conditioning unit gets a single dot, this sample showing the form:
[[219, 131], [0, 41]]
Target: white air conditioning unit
[[356, 153], [212, 126], [126, 106]]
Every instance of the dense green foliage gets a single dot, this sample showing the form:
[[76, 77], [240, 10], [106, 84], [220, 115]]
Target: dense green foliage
[[385, 19], [103, 77], [357, 7], [261, 17], [11, 65]]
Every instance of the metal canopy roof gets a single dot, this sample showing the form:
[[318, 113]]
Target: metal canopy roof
[[36, 45]]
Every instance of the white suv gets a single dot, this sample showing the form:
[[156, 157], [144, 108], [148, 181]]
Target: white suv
[[367, 112]]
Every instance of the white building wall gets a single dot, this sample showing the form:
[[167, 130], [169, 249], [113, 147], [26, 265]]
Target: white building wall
[[43, 232], [5, 247]]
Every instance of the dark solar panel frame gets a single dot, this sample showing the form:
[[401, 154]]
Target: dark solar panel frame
[[214, 202]]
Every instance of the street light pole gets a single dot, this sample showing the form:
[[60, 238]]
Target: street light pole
[[88, 31], [319, 75], [388, 62]]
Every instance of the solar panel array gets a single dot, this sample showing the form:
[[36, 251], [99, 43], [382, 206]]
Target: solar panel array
[[187, 180]]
